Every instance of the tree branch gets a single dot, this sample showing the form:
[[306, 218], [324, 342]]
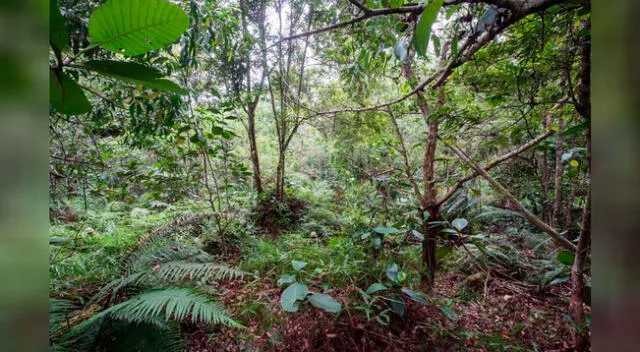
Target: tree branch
[[504, 157], [557, 237]]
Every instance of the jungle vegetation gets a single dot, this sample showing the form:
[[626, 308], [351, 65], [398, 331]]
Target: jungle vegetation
[[303, 175]]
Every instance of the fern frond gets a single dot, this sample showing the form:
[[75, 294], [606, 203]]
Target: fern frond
[[173, 303], [59, 310], [178, 271], [494, 213]]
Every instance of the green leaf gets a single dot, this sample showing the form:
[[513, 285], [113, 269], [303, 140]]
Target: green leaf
[[291, 295], [417, 235], [415, 295], [448, 312], [566, 257], [59, 240], [375, 288], [394, 4], [165, 85], [58, 33], [443, 251], [134, 27], [459, 223], [574, 129], [385, 230], [325, 302], [397, 305], [127, 71], [298, 264], [400, 50], [392, 272], [286, 279], [65, 95], [423, 28], [376, 242]]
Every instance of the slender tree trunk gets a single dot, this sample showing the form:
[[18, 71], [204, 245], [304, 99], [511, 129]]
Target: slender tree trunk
[[576, 306], [428, 202], [280, 176], [557, 192], [253, 148], [546, 180]]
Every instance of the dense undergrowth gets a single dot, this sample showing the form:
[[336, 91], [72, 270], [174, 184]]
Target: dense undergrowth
[[111, 280]]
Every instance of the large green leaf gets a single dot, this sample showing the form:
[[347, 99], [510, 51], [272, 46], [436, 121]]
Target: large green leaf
[[128, 71], [134, 72], [65, 95], [58, 33], [385, 230], [459, 223], [134, 27], [423, 28], [298, 265], [325, 302], [166, 85], [291, 295], [566, 257], [375, 288]]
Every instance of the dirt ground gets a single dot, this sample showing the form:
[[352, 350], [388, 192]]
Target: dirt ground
[[511, 318]]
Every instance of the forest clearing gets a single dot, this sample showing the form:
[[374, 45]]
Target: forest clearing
[[300, 175]]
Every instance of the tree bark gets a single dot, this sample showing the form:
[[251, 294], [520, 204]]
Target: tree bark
[[576, 306], [253, 149], [556, 218]]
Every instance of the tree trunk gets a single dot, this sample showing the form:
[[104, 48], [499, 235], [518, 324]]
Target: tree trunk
[[253, 148], [576, 306], [280, 176], [557, 192]]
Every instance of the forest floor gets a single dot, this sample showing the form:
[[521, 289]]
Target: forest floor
[[510, 318]]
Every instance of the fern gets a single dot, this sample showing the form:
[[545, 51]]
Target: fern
[[493, 214], [173, 303]]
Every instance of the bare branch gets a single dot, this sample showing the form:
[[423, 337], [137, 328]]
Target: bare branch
[[557, 237], [504, 157]]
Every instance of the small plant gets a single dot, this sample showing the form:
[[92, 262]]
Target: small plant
[[295, 292]]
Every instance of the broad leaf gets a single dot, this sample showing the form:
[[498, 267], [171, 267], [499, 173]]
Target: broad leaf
[[423, 28], [65, 95], [58, 33], [459, 223], [291, 295], [417, 235], [400, 50], [448, 312], [134, 27], [415, 295], [286, 279], [376, 287], [394, 4], [392, 272], [574, 129], [566, 257], [385, 230], [298, 264], [128, 71], [397, 305], [166, 85], [325, 302]]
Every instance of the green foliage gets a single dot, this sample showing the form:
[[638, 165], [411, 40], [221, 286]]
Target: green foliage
[[423, 28], [151, 24]]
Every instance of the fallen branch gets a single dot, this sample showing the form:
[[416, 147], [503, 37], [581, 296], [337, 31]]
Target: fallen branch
[[557, 237]]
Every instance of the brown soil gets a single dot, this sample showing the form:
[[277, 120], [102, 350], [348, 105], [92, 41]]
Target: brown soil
[[512, 317]]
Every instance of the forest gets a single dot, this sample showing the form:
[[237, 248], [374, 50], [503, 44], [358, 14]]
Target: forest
[[304, 175]]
